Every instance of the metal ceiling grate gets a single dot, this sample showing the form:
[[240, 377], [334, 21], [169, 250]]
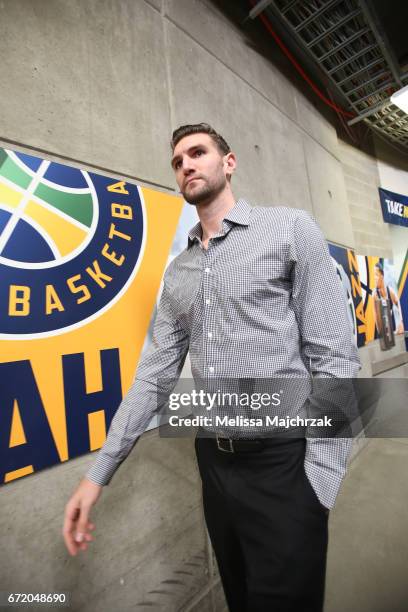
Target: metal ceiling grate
[[392, 122], [343, 39]]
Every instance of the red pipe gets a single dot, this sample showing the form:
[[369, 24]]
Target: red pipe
[[303, 74]]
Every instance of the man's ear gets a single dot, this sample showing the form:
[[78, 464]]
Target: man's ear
[[230, 163]]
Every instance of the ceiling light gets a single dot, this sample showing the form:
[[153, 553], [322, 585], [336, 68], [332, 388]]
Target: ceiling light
[[400, 99]]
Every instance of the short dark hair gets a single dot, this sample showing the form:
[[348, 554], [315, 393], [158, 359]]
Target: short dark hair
[[200, 128], [379, 268]]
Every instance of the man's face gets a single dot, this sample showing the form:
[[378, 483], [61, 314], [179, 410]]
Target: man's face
[[200, 169], [378, 278]]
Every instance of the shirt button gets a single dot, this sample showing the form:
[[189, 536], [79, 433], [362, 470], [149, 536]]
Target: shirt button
[[208, 302], [207, 270], [210, 334], [211, 369]]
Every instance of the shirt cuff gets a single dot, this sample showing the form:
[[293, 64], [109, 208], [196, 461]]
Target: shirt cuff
[[102, 471]]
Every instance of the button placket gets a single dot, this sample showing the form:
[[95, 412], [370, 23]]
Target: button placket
[[209, 357]]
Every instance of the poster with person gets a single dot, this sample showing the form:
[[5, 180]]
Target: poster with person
[[387, 305], [372, 295]]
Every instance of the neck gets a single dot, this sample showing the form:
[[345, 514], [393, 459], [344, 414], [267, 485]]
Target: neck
[[212, 213]]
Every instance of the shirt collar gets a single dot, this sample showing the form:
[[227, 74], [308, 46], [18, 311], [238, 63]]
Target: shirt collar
[[238, 215]]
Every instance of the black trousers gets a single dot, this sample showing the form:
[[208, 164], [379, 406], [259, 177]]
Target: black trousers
[[266, 525]]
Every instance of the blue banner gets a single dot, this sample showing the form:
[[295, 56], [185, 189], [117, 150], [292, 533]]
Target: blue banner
[[394, 207]]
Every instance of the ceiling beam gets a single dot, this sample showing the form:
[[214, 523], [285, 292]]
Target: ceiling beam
[[259, 8], [382, 41]]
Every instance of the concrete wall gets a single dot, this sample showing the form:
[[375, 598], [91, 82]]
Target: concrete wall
[[104, 83], [101, 84], [360, 170]]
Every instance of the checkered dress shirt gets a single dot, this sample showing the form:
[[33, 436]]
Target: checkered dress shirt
[[262, 301]]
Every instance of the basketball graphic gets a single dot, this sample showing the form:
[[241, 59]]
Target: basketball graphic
[[70, 243], [47, 211]]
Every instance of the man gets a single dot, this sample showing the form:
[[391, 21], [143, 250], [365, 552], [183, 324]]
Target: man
[[254, 295], [386, 295]]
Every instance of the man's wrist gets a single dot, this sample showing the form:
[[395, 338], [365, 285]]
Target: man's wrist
[[86, 479]]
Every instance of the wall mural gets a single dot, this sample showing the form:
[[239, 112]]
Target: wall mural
[[372, 294], [403, 295], [81, 260]]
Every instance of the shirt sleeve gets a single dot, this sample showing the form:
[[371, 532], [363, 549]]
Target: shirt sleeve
[[156, 376], [327, 343], [329, 349]]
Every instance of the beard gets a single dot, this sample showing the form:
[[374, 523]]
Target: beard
[[207, 191]]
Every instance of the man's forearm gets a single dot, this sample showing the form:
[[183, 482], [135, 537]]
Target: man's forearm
[[130, 421]]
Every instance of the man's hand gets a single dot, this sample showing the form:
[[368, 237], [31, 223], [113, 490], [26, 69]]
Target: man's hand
[[76, 524]]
